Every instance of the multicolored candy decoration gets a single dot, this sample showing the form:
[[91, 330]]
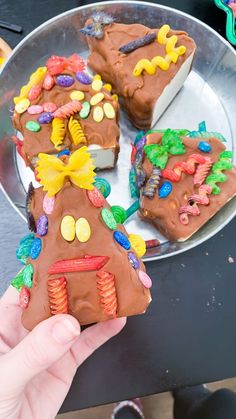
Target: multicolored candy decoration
[[95, 25], [229, 8]]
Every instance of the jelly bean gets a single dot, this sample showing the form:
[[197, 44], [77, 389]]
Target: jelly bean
[[109, 110], [83, 230], [165, 189], [204, 146], [96, 98], [119, 214], [48, 82], [48, 204], [65, 152], [42, 225], [83, 78], [49, 107], [22, 106], [98, 114], [115, 97], [64, 80], [145, 279], [34, 92], [97, 77], [77, 95], [103, 186], [97, 85], [32, 126], [96, 198], [28, 275], [17, 282], [68, 228], [108, 87], [108, 218], [133, 260], [138, 244], [45, 118], [122, 239], [84, 113], [36, 248], [24, 297], [35, 109]]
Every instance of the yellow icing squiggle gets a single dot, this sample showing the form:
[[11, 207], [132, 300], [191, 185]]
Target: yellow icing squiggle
[[34, 79], [172, 54]]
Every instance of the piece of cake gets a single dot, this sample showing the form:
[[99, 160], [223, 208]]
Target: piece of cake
[[147, 67], [79, 260], [63, 108], [183, 181]]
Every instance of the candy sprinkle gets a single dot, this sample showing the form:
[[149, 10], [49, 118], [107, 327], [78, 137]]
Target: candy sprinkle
[[97, 85], [32, 126], [68, 228], [83, 230], [64, 80], [138, 43], [103, 186], [133, 260], [35, 109], [85, 111], [97, 98], [42, 225], [45, 118], [119, 214], [96, 198], [165, 189], [48, 203], [77, 95], [204, 146], [98, 114], [109, 110], [28, 275], [108, 219], [122, 239], [36, 248], [22, 106], [145, 279], [24, 297], [83, 77], [49, 107]]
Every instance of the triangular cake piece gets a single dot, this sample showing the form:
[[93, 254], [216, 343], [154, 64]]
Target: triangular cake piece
[[146, 67], [182, 181], [79, 260], [62, 107]]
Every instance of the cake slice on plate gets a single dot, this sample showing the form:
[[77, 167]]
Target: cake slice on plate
[[182, 181], [78, 260], [62, 108], [147, 67]]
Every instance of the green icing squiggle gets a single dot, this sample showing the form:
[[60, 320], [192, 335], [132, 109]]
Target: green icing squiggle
[[224, 163]]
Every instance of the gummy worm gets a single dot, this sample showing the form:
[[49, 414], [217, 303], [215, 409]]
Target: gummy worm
[[188, 166]]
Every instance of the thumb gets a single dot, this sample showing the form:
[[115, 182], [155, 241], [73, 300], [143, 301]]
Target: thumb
[[47, 343]]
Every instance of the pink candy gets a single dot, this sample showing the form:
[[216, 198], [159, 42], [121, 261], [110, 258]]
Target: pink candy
[[145, 279], [24, 297], [49, 107], [35, 109], [48, 204], [48, 82], [34, 92]]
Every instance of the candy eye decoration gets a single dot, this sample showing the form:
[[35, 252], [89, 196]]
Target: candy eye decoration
[[71, 228]]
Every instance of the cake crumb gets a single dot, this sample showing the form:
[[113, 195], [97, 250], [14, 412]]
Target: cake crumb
[[206, 253], [230, 259], [183, 265]]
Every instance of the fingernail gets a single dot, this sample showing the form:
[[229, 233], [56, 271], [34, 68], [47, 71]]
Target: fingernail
[[65, 331]]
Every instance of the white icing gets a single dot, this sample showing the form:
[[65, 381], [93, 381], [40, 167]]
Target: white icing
[[171, 89]]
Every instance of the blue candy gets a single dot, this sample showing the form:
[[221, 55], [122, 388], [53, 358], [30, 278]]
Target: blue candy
[[122, 239], [133, 260], [83, 78], [165, 189], [36, 248], [65, 152], [64, 80], [45, 118], [204, 147]]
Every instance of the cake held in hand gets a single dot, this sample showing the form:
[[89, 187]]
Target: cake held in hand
[[62, 108], [78, 260], [146, 67], [182, 180]]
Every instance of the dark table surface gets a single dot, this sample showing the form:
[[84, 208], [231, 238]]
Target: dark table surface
[[188, 335]]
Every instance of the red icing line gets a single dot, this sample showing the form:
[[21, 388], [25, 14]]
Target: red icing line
[[57, 294], [188, 166], [107, 292], [88, 263]]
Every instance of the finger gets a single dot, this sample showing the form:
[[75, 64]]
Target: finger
[[47, 343], [95, 336], [11, 296]]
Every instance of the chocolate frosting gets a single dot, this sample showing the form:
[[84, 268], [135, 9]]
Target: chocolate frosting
[[138, 94], [83, 295], [105, 133], [164, 212]]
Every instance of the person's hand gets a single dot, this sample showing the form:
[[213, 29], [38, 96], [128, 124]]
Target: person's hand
[[37, 368]]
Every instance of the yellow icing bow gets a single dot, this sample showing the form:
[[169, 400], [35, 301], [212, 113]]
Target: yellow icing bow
[[53, 172], [172, 54]]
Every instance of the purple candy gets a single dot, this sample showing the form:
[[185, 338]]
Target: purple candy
[[141, 143], [64, 80], [42, 225], [133, 260], [45, 118], [83, 78]]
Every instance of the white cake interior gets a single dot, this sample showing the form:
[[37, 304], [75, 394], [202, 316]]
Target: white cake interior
[[171, 89], [103, 157]]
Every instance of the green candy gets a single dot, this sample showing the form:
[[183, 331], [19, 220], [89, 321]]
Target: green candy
[[17, 282], [28, 275], [108, 219], [119, 214], [84, 113], [33, 126], [23, 250]]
